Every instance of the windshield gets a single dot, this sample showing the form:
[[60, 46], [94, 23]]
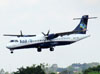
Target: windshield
[[14, 41]]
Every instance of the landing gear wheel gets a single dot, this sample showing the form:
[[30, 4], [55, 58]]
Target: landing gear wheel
[[51, 49], [39, 49], [11, 51]]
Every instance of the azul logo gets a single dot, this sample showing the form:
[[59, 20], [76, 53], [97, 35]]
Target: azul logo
[[83, 26]]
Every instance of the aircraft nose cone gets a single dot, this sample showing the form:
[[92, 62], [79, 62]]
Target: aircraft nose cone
[[8, 46]]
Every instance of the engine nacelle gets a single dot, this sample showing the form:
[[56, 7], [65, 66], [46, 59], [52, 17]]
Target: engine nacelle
[[51, 36]]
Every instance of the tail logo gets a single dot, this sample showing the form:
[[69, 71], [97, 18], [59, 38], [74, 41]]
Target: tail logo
[[83, 26]]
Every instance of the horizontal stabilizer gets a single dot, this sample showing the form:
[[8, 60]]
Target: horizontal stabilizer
[[88, 18]]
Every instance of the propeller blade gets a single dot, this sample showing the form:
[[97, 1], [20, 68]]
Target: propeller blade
[[21, 33], [48, 32], [43, 33]]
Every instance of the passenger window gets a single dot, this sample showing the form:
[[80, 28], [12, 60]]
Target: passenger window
[[12, 41], [30, 40], [16, 40]]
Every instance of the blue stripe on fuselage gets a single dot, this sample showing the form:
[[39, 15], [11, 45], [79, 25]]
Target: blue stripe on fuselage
[[45, 44]]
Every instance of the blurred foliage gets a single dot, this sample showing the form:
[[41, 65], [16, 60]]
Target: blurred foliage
[[75, 68], [93, 70], [52, 73], [31, 70]]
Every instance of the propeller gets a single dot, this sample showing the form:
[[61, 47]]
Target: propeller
[[46, 35], [49, 36]]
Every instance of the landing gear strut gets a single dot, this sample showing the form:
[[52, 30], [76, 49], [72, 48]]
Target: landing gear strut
[[11, 51], [39, 49]]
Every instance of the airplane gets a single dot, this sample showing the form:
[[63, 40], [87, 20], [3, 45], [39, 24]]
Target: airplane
[[50, 40]]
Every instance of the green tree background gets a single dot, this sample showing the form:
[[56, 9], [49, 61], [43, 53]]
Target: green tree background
[[31, 70]]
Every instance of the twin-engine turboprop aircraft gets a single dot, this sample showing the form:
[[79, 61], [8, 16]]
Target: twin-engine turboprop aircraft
[[50, 40]]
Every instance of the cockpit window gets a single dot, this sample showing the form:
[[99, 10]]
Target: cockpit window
[[14, 41]]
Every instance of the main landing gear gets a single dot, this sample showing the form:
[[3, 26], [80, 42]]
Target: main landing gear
[[39, 49], [51, 49]]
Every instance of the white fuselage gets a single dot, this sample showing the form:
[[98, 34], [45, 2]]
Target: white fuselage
[[42, 42]]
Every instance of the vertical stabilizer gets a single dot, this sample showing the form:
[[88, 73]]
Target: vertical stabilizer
[[82, 27]]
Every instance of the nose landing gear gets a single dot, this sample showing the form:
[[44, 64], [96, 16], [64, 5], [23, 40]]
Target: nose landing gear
[[11, 51]]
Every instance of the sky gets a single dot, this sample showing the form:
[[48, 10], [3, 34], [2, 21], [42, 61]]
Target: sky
[[36, 16]]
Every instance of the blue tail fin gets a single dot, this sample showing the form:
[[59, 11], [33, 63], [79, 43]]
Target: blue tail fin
[[82, 27]]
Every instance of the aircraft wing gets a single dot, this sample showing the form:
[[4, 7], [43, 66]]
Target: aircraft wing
[[67, 33], [19, 35]]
